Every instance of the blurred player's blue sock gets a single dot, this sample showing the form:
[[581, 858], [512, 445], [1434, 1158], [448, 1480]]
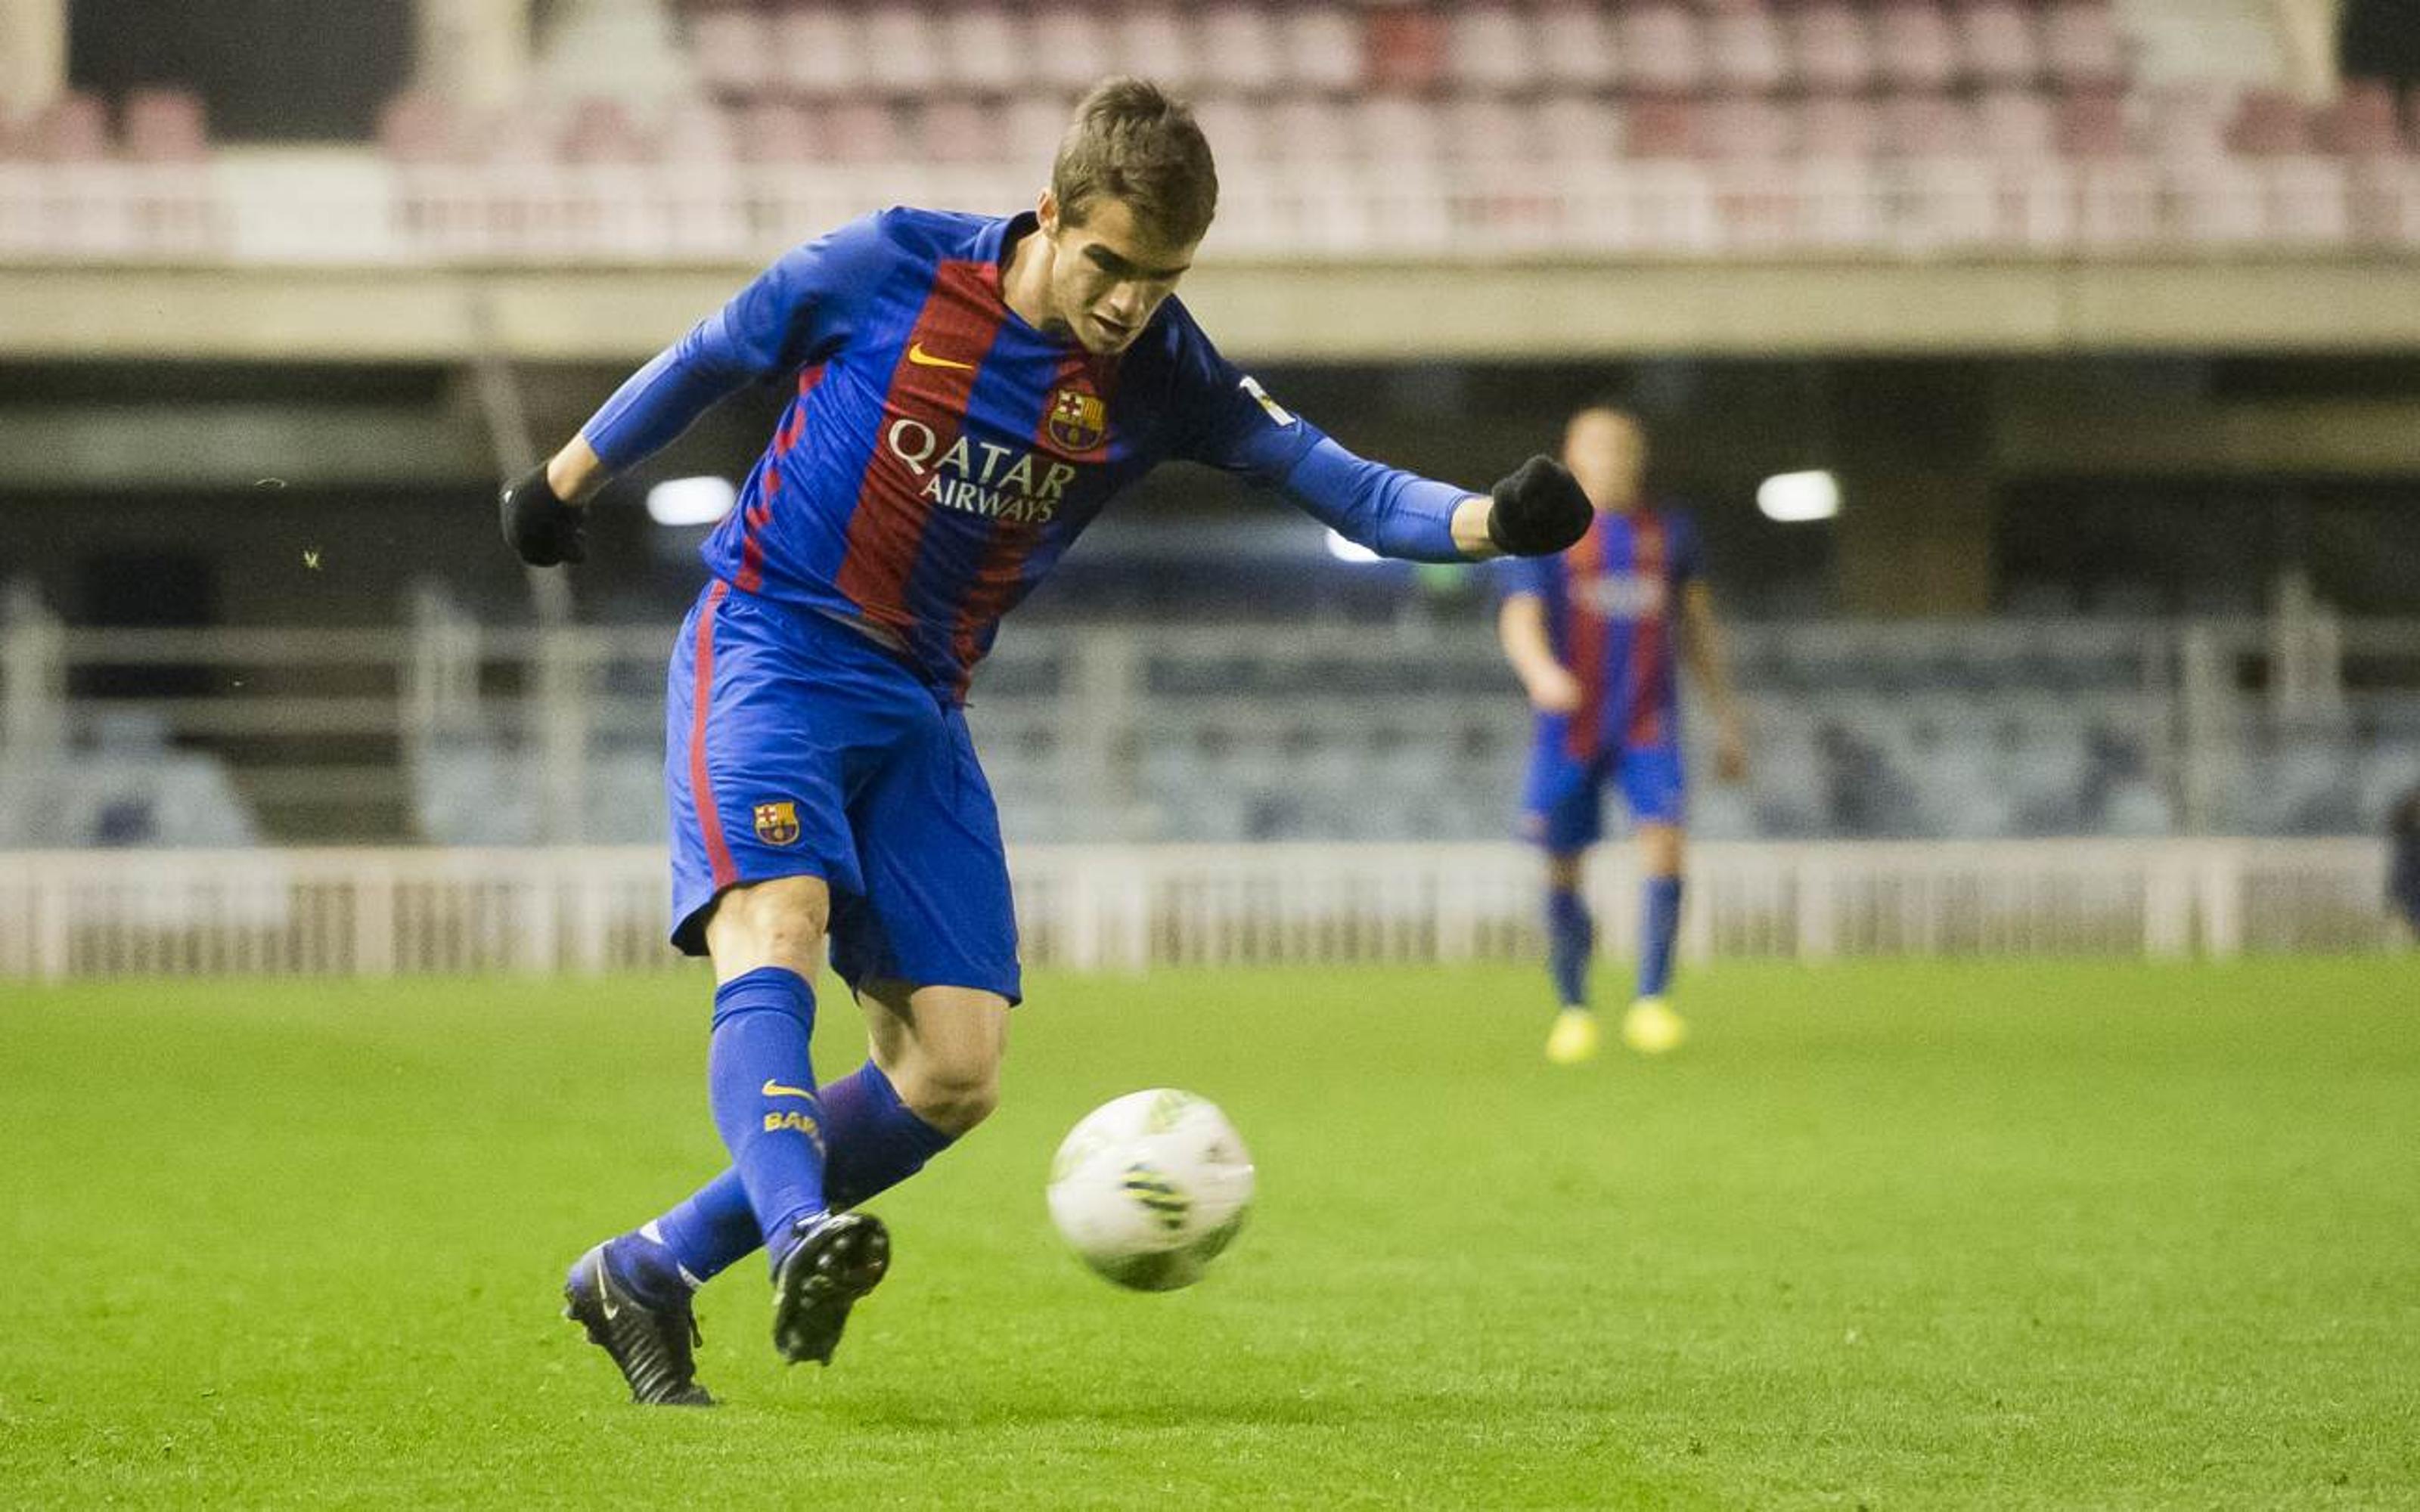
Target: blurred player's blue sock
[[763, 1086], [710, 1232], [1571, 936], [1661, 927], [876, 1140]]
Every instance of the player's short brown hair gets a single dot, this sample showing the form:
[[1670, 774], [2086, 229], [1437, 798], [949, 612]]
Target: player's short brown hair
[[1131, 141]]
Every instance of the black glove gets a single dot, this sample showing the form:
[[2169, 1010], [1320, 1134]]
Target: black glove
[[1540, 510], [540, 528]]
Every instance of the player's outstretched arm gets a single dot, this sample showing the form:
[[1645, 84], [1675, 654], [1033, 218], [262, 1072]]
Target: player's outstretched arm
[[544, 510], [795, 312], [1537, 510]]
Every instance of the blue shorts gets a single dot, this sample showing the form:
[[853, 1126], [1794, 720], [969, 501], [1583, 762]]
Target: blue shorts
[[1563, 807], [796, 746]]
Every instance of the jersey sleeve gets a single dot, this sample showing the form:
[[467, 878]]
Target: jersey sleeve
[[1227, 420], [796, 312]]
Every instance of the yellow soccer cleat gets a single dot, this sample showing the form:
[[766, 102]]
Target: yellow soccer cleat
[[1574, 1039], [1651, 1027]]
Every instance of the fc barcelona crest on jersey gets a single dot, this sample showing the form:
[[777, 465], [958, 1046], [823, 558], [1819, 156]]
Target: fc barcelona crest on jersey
[[1078, 421], [777, 824]]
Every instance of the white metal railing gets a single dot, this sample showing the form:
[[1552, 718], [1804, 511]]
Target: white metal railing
[[256, 207], [588, 910]]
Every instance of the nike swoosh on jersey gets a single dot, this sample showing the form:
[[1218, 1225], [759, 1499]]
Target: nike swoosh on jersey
[[774, 1088], [917, 355]]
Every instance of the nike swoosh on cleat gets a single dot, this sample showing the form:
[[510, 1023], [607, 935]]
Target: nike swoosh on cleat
[[605, 1292], [917, 355], [774, 1088]]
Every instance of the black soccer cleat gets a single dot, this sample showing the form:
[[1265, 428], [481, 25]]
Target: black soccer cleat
[[649, 1345], [838, 1257]]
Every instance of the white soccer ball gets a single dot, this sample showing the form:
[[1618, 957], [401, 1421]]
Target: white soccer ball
[[1150, 1187]]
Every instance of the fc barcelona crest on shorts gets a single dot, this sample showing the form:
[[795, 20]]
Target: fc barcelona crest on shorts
[[777, 824], [1078, 421]]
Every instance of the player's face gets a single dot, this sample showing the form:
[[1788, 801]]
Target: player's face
[[1607, 452], [1109, 275]]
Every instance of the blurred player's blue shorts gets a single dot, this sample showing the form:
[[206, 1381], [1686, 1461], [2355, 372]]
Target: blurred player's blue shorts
[[796, 746], [1563, 808]]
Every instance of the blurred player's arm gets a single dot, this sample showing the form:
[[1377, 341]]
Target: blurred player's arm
[[789, 314], [1521, 629], [1703, 643]]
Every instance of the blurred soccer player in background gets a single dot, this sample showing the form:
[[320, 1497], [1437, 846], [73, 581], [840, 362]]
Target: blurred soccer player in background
[[1591, 633], [2403, 864], [967, 392]]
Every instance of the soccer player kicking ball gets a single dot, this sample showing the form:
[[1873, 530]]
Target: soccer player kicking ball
[[968, 393], [1590, 634]]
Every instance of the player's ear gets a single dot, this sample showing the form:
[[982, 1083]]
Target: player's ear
[[1047, 211]]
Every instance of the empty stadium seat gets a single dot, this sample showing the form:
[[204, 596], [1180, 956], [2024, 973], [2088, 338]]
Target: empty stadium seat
[[1833, 46], [1746, 49], [1914, 46], [166, 126], [1661, 48], [1576, 47], [1242, 50], [983, 52], [1998, 43], [735, 49], [818, 51], [1321, 48], [1490, 47], [1069, 47]]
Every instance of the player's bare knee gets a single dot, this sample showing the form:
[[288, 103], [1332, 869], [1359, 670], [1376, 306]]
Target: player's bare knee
[[953, 1098], [779, 924]]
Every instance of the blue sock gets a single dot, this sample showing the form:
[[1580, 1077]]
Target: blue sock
[[643, 1267], [1571, 936], [762, 1084], [1661, 927], [710, 1232], [876, 1140]]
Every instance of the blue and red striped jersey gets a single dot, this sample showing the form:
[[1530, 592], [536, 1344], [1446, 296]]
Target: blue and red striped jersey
[[940, 454], [1610, 602]]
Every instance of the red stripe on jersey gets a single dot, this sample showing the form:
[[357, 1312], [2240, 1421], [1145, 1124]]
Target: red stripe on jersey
[[752, 546], [954, 333], [1645, 678], [752, 543], [701, 785], [1585, 638], [796, 425], [994, 585]]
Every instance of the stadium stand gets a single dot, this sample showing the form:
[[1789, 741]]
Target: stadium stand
[[1890, 127]]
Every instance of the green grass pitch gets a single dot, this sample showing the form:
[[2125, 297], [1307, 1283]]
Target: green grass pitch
[[1898, 1235]]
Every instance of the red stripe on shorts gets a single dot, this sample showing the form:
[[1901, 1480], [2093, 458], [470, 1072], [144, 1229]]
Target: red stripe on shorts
[[701, 786], [953, 333]]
